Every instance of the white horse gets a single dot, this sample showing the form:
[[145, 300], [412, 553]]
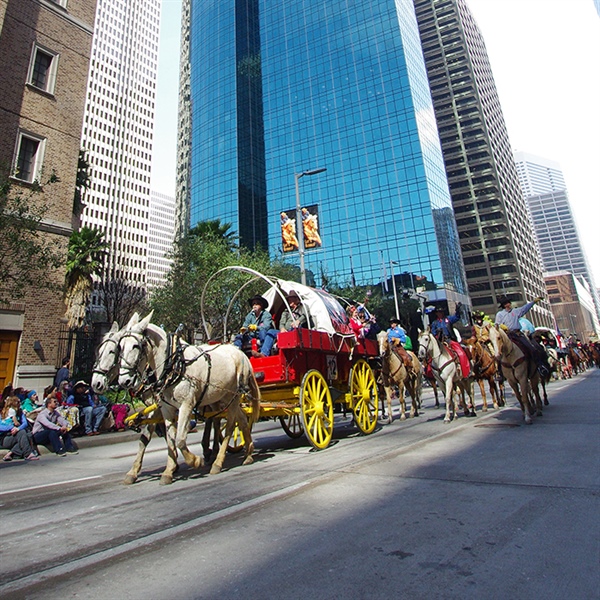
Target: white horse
[[195, 376], [447, 374], [521, 373], [393, 372]]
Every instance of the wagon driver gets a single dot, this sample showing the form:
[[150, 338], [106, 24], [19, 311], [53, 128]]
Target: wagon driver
[[258, 324]]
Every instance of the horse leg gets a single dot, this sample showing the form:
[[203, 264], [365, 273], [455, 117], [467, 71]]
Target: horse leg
[[448, 390], [145, 437], [231, 422], [481, 383], [183, 426], [244, 425], [401, 397], [435, 393], [414, 396], [388, 397], [166, 477], [206, 449]]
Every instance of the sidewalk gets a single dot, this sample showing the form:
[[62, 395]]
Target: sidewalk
[[104, 439]]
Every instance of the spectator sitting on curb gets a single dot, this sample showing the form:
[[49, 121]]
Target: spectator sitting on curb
[[51, 427], [31, 406], [15, 437], [92, 413], [70, 413]]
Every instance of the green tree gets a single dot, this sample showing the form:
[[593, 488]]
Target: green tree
[[26, 254], [195, 259], [214, 229], [84, 260]]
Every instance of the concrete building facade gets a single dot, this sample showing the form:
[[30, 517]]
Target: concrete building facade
[[161, 234], [118, 132], [491, 215], [44, 58]]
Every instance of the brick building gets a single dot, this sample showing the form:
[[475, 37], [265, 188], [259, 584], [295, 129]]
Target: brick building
[[44, 57]]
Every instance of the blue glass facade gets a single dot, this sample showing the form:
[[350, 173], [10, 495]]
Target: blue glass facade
[[343, 86]]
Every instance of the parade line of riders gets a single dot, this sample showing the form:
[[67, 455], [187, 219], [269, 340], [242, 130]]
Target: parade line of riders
[[25, 421]]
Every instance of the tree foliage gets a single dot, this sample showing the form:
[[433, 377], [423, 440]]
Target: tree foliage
[[26, 253], [120, 298], [196, 258], [84, 260]]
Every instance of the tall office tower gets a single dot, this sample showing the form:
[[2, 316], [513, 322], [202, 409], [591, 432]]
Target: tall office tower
[[44, 60], [491, 215], [538, 175], [553, 223], [281, 90], [182, 212], [118, 131], [161, 233]]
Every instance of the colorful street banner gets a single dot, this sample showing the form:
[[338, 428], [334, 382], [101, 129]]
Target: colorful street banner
[[310, 227]]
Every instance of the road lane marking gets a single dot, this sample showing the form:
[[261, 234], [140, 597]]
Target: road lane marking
[[46, 485], [152, 538]]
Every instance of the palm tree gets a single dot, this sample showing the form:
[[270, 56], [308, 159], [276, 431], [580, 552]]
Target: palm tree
[[215, 229], [84, 260]]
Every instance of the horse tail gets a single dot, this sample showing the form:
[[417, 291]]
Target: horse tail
[[255, 394]]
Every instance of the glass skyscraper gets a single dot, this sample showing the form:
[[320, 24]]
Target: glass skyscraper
[[280, 88]]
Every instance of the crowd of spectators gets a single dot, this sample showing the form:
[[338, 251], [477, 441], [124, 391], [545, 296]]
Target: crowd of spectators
[[65, 411]]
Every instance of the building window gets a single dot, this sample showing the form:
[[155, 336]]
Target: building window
[[42, 69], [28, 157]]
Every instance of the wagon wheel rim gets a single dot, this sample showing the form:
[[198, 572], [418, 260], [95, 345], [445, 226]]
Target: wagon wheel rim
[[317, 409], [365, 396], [292, 425], [236, 443]]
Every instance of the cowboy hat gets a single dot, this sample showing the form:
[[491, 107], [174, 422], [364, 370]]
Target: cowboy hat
[[293, 296], [258, 300], [503, 300]]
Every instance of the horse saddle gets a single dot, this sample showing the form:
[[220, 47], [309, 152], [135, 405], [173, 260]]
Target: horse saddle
[[403, 355]]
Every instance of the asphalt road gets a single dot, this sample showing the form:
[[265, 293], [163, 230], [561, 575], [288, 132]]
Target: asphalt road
[[481, 508]]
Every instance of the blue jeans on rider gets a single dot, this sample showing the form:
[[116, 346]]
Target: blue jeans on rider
[[267, 338], [93, 416]]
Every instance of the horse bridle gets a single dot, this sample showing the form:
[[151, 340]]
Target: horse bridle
[[133, 368], [107, 371]]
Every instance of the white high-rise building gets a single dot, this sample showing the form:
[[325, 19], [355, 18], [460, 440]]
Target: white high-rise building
[[538, 175], [554, 227], [161, 234], [118, 131]]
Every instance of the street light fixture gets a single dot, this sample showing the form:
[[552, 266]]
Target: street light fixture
[[299, 227], [392, 263]]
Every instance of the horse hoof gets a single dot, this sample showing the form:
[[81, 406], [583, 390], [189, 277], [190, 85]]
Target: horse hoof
[[129, 480], [165, 480], [484, 409], [546, 403], [215, 470], [249, 460], [446, 420], [403, 417]]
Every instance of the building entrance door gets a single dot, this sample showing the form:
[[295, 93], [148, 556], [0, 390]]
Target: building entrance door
[[9, 341]]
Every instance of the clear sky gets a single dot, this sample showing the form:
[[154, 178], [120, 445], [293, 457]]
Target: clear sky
[[545, 56]]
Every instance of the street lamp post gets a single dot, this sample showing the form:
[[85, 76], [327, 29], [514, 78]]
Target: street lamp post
[[392, 263], [299, 227]]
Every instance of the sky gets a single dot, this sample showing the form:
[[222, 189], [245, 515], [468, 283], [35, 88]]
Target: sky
[[545, 57]]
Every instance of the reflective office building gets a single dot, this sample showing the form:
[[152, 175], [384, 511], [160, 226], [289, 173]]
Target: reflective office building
[[278, 89]]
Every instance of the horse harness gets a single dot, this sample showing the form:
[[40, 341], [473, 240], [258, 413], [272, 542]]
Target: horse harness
[[105, 372]]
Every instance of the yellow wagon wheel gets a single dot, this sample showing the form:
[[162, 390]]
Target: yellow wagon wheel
[[236, 443], [292, 425], [317, 409], [365, 397]]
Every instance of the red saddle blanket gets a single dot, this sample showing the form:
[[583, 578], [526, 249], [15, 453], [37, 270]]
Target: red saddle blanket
[[457, 351]]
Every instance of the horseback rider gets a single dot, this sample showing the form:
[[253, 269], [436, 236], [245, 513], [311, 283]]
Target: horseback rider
[[481, 330], [397, 339], [509, 317], [442, 329]]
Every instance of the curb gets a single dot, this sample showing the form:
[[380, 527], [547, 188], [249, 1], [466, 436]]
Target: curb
[[82, 442]]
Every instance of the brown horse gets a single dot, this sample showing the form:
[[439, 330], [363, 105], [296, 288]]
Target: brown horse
[[485, 368], [394, 372], [522, 374]]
